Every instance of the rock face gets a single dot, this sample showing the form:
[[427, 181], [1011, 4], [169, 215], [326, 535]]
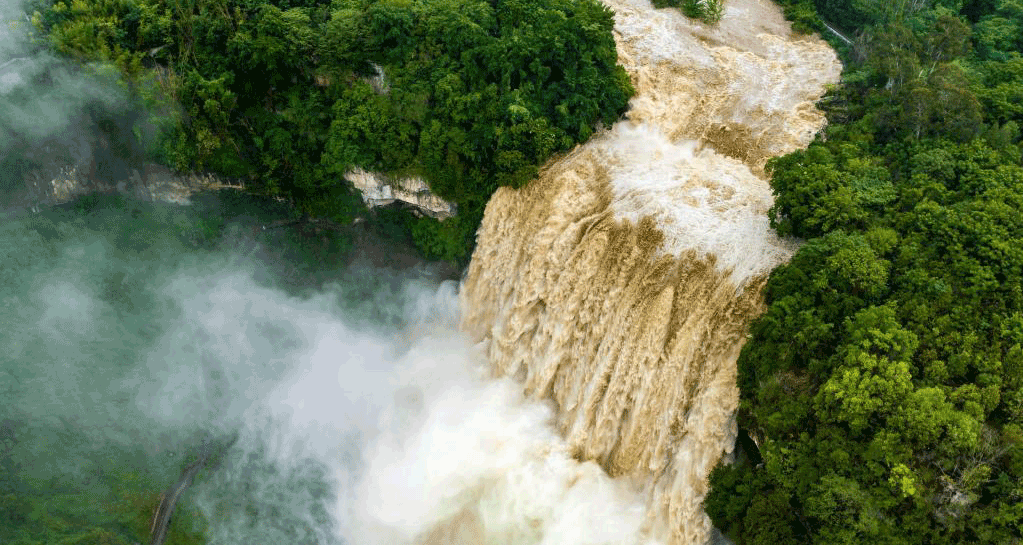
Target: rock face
[[82, 165], [67, 131], [62, 169], [378, 190], [60, 183]]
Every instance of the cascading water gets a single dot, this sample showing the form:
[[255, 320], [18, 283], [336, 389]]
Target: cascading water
[[620, 284]]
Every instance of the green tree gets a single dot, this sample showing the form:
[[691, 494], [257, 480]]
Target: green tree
[[884, 377]]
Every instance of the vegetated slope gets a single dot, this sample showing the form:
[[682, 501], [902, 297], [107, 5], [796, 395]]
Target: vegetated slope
[[885, 381], [470, 95]]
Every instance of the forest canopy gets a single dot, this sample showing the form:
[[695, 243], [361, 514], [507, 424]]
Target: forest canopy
[[884, 384], [291, 95]]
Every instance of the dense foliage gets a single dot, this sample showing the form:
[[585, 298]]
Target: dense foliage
[[114, 510], [468, 94], [885, 381]]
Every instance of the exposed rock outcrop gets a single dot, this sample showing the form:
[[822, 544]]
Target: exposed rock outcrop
[[379, 190], [57, 184], [60, 170]]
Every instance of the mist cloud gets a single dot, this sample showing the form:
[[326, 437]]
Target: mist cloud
[[51, 111], [362, 416]]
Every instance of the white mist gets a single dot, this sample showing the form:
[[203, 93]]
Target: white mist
[[368, 435]]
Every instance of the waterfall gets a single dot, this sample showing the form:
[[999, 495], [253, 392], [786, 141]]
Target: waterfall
[[619, 285]]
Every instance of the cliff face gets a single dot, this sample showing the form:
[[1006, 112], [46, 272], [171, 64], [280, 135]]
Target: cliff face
[[69, 130], [620, 284], [379, 190], [68, 168]]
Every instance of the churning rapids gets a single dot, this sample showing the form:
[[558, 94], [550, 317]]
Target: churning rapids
[[620, 284]]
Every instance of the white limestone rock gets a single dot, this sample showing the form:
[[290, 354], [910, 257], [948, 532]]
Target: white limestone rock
[[378, 190]]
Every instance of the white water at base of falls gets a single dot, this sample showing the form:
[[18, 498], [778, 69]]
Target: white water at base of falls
[[621, 283]]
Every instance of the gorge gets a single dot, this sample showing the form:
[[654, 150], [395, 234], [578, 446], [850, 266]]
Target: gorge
[[576, 387]]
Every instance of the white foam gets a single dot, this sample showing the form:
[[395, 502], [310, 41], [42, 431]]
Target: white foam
[[701, 199], [414, 437]]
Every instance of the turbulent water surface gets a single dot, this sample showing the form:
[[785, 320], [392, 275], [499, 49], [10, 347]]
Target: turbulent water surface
[[620, 284]]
